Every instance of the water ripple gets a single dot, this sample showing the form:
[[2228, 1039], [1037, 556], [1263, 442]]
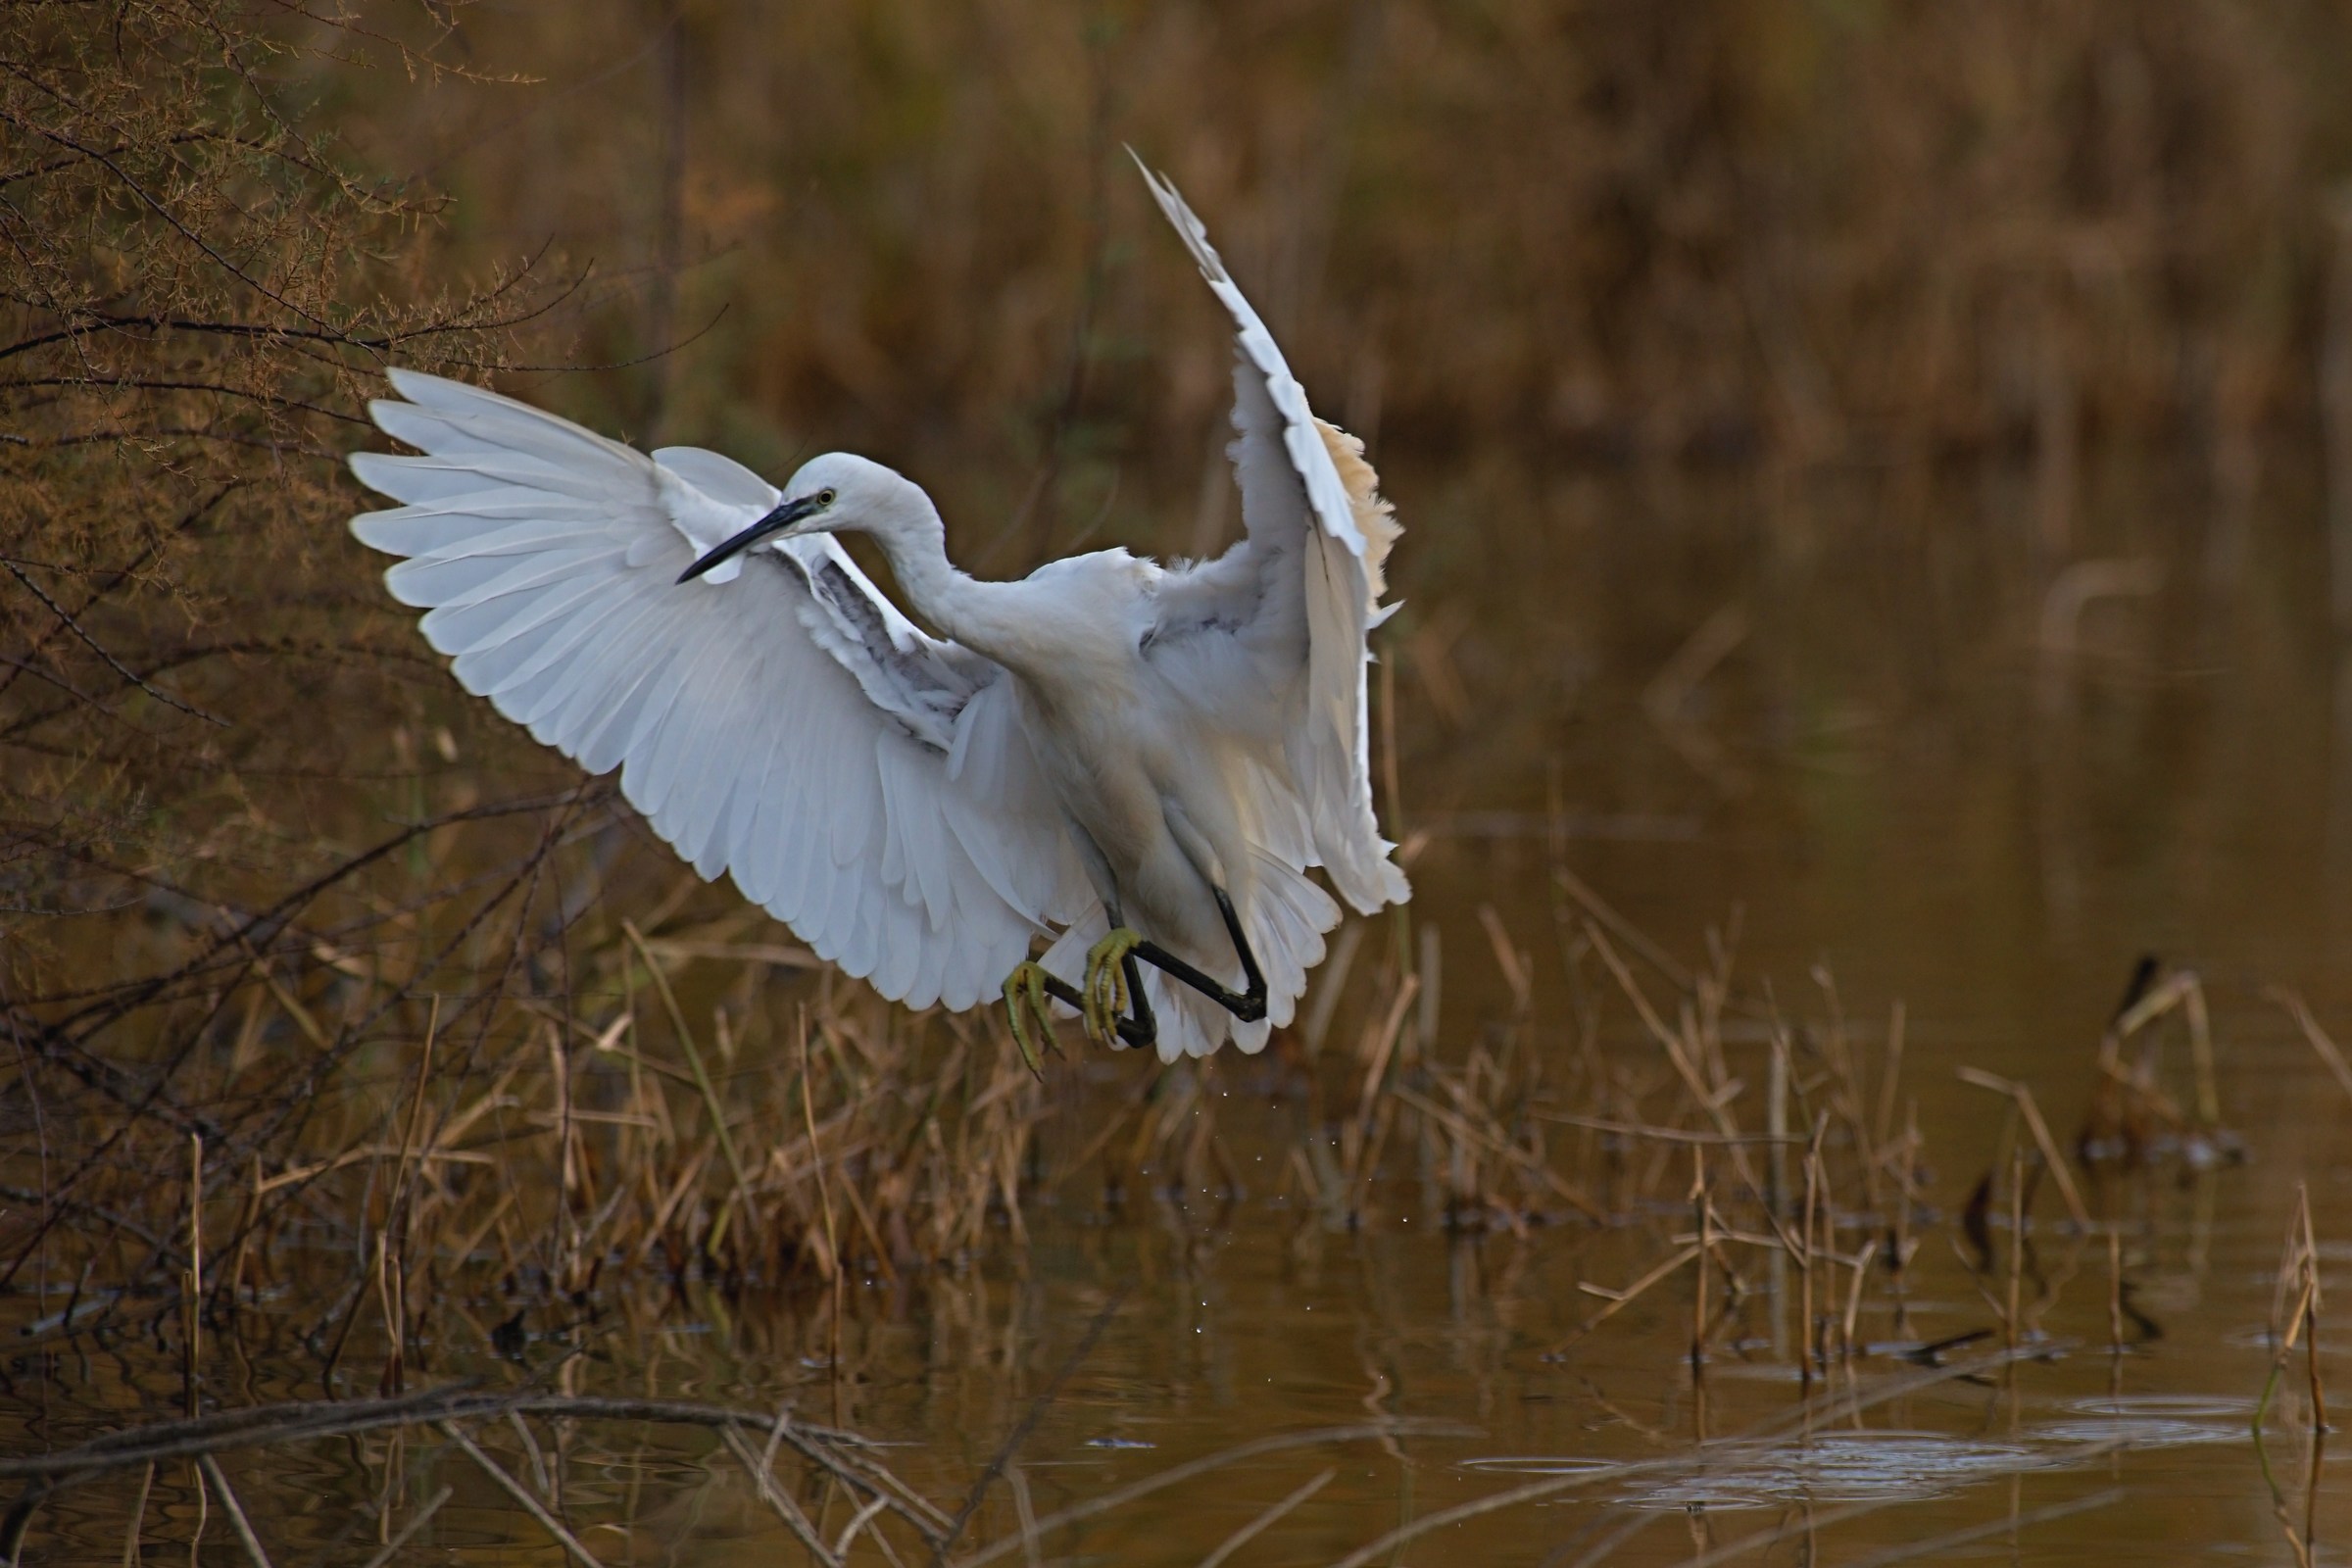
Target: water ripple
[[2152, 1420], [1845, 1468]]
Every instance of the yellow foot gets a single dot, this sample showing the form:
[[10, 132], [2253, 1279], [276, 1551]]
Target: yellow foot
[[1027, 1002], [1106, 987]]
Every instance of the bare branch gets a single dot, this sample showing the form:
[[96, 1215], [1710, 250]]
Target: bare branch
[[114, 663]]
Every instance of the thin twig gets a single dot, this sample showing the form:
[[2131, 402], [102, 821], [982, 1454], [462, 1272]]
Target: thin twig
[[236, 1511], [694, 1061], [1254, 1528], [1510, 1152], [1623, 1299], [2051, 1160], [1664, 1135], [138, 1519], [2317, 1038], [522, 1495], [391, 1548], [114, 663], [784, 1509]]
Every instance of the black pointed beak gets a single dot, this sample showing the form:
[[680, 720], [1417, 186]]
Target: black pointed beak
[[775, 523]]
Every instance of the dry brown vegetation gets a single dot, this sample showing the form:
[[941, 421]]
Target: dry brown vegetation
[[339, 1015], [1764, 1168], [1869, 231]]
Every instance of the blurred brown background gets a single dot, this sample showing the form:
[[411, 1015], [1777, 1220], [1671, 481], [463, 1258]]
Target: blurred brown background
[[1810, 230]]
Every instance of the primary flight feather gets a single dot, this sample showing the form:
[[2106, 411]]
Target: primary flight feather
[[1136, 764]]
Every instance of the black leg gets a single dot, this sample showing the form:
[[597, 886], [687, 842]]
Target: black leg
[[1247, 1005], [1147, 1027], [1139, 1028]]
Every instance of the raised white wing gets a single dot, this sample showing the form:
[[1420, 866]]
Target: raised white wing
[[778, 719], [1269, 639]]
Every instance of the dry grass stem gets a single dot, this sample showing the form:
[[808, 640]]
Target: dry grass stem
[[2331, 1056], [2051, 1160], [1258, 1526]]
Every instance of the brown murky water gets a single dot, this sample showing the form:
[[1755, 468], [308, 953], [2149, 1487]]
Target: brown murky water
[[1854, 709]]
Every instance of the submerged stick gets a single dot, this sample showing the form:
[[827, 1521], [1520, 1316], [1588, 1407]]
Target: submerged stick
[[138, 1519], [522, 1495], [1254, 1528], [211, 1468], [424, 1515], [777, 1500], [858, 1522]]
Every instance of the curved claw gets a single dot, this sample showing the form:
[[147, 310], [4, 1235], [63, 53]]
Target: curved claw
[[1106, 997], [1025, 999]]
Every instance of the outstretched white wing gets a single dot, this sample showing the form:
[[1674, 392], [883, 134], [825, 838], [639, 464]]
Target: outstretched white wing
[[1269, 638], [778, 719]]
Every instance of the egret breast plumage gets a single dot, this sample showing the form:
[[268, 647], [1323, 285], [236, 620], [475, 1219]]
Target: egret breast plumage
[[1137, 766]]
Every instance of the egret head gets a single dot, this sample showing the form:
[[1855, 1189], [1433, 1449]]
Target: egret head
[[838, 490]]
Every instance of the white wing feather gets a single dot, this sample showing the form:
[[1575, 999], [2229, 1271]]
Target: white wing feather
[[1275, 629], [778, 719]]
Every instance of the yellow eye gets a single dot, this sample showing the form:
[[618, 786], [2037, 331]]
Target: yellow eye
[[824, 498]]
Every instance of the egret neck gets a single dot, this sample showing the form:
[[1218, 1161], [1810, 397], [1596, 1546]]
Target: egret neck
[[907, 526]]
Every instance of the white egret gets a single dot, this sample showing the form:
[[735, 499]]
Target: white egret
[[1132, 762]]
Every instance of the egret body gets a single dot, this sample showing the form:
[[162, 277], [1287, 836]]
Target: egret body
[[1137, 764]]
